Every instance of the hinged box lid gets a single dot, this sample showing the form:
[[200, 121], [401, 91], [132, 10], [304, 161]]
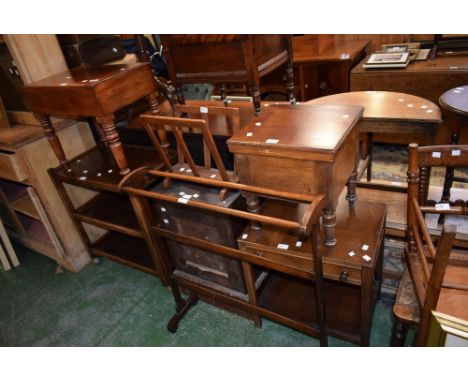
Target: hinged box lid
[[296, 128]]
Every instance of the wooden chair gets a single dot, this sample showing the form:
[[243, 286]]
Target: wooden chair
[[430, 282], [177, 125]]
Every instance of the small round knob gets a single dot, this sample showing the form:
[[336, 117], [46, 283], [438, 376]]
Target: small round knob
[[343, 276]]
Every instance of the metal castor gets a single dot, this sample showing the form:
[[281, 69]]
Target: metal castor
[[96, 260]]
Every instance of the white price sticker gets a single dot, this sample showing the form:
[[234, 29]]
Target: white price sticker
[[351, 253], [245, 236], [182, 200], [365, 247], [203, 110], [456, 153], [442, 206], [367, 258], [272, 141], [298, 244], [282, 246], [436, 154]]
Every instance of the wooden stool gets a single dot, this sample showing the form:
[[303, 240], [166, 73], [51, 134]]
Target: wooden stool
[[96, 92], [389, 113]]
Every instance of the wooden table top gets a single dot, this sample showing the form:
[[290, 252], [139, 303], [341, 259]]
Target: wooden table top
[[300, 127], [354, 229], [346, 51], [456, 100], [381, 105], [440, 64], [92, 91], [86, 76]]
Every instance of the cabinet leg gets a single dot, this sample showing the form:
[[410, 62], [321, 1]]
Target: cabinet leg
[[180, 95], [113, 140], [255, 93], [222, 93], [329, 224], [351, 195], [370, 139], [449, 173], [182, 307], [399, 332], [54, 141], [290, 83]]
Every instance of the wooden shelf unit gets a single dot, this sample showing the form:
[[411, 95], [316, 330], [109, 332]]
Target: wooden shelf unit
[[122, 240], [126, 250], [24, 217]]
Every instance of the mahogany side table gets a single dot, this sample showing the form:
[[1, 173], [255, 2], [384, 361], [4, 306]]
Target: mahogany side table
[[389, 113], [223, 59], [96, 92], [455, 101], [308, 149]]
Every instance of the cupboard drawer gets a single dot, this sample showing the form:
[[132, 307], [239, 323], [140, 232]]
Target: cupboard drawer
[[10, 167], [331, 270]]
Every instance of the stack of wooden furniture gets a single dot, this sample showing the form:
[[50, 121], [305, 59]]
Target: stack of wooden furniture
[[313, 147], [436, 275]]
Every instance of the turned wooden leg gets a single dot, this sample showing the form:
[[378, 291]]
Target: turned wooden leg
[[329, 224], [351, 195], [154, 110], [449, 174], [222, 93], [370, 139], [54, 141], [100, 131], [255, 93], [253, 205], [290, 83], [180, 95], [113, 140], [399, 332]]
